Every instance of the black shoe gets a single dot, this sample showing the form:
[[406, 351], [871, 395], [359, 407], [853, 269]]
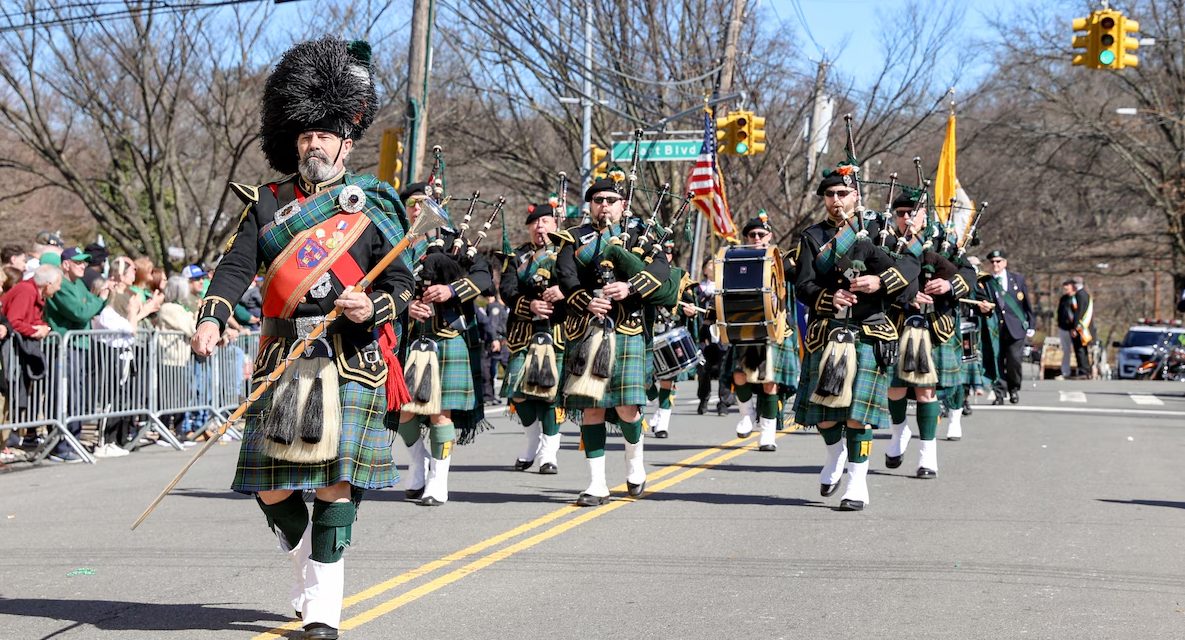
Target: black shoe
[[548, 469], [721, 408], [319, 631], [999, 400], [523, 465], [662, 434], [967, 410], [586, 500], [297, 614], [427, 501], [413, 495], [851, 505], [635, 490], [892, 462], [927, 474], [953, 438], [945, 413], [744, 435], [826, 490], [703, 407], [768, 447], [1013, 397], [66, 457]]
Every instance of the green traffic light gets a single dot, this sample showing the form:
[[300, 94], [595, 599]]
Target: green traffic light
[[1106, 58], [742, 148]]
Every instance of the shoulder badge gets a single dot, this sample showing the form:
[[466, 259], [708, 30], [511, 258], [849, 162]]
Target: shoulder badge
[[247, 193]]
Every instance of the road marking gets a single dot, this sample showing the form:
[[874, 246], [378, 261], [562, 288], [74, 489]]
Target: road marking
[[478, 547], [1071, 396], [1142, 398], [1073, 409]]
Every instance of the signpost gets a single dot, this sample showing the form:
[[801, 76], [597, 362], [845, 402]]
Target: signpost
[[658, 150]]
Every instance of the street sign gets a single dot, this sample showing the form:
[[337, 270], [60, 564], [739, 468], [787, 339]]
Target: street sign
[[658, 150]]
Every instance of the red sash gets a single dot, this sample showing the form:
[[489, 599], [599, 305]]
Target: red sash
[[310, 255]]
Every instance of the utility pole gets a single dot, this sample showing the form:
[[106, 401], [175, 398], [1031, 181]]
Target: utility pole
[[419, 63], [586, 104]]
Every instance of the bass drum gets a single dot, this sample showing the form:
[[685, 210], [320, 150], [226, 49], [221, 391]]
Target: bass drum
[[750, 290]]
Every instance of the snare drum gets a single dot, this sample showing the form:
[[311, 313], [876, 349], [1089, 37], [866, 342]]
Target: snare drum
[[674, 353], [750, 290], [969, 331]]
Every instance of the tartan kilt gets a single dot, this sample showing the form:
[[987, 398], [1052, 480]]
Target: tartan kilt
[[870, 392], [632, 373], [972, 374], [786, 365], [514, 370], [363, 458], [948, 362], [456, 376]]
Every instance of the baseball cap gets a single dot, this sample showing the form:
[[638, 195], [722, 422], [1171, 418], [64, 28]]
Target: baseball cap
[[46, 237], [49, 257], [76, 254], [193, 272]]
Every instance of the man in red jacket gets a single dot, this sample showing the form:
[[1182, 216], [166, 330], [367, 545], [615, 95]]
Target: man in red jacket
[[24, 303]]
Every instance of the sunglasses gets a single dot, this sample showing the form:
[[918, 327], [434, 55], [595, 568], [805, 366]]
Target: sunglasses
[[606, 200], [996, 260], [904, 212], [757, 235], [837, 193]]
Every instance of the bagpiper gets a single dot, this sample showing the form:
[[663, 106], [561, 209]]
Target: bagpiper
[[535, 336], [314, 234], [607, 364], [848, 284]]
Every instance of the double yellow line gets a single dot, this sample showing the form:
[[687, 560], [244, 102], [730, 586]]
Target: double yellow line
[[655, 482]]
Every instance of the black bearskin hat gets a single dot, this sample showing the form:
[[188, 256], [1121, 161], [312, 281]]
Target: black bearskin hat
[[319, 85]]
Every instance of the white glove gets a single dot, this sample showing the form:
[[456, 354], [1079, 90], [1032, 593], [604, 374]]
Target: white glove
[[1030, 333]]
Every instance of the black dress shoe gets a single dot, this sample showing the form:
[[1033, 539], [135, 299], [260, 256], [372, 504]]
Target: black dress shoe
[[768, 447], [548, 469], [893, 462], [413, 495], [1013, 397], [954, 438], [662, 434], [998, 401], [927, 474], [523, 465], [586, 500], [429, 501], [826, 490], [744, 435], [721, 408], [319, 631], [703, 407], [967, 410], [851, 505], [635, 490]]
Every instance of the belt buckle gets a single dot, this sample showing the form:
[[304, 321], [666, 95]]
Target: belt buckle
[[371, 356], [305, 326]]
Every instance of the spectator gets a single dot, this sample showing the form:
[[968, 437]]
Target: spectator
[[96, 264], [125, 299], [251, 305], [46, 250], [178, 319], [14, 256], [24, 306], [1081, 333], [12, 275], [143, 284], [197, 280], [1066, 319], [71, 309]]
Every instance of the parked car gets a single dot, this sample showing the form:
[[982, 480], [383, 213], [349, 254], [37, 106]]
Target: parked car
[[1138, 346]]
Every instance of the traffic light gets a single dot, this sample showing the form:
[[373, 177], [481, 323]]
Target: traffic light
[[1106, 43], [732, 134], [756, 135], [391, 156], [600, 167]]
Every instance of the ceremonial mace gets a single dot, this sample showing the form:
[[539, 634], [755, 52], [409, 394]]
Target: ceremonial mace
[[431, 217]]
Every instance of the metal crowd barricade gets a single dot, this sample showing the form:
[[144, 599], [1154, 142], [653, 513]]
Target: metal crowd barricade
[[34, 392], [231, 371]]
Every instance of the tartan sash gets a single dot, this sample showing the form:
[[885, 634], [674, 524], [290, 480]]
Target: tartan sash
[[841, 243]]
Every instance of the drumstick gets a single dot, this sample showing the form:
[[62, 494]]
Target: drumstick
[[972, 301], [692, 306]]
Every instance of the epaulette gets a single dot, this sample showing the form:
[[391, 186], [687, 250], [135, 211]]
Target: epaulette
[[560, 238], [247, 193]]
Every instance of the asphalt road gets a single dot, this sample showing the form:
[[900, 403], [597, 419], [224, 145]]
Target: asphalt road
[[1060, 517]]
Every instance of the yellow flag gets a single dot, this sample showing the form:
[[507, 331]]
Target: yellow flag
[[945, 182]]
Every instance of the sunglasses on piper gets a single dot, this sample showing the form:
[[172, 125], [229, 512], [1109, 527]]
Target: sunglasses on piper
[[757, 235], [606, 200], [837, 193], [901, 213]]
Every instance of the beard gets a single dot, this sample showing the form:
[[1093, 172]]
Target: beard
[[315, 166]]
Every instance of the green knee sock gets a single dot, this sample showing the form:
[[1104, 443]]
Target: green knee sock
[[440, 437], [928, 413], [897, 409], [592, 436], [832, 435], [859, 444], [527, 411], [952, 397], [744, 392], [290, 516], [333, 523], [410, 430], [664, 398], [547, 415], [632, 431], [767, 405]]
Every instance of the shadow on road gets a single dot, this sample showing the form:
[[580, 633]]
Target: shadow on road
[[112, 615], [1148, 503]]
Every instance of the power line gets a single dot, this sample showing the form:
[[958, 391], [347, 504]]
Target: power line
[[156, 7]]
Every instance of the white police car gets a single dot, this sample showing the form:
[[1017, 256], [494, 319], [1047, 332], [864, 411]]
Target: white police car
[[1137, 347]]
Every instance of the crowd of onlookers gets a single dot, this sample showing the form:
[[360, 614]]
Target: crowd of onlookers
[[52, 288]]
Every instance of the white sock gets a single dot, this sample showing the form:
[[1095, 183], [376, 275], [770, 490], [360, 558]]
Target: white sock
[[661, 420], [549, 448], [437, 485], [857, 482], [833, 468], [635, 469], [748, 416], [299, 556], [899, 443], [596, 483], [954, 428], [417, 465], [928, 455], [532, 432], [324, 584], [769, 431]]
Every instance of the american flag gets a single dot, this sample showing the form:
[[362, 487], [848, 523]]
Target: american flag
[[707, 185]]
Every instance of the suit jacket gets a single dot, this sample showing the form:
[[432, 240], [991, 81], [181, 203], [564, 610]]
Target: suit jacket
[[1014, 296]]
